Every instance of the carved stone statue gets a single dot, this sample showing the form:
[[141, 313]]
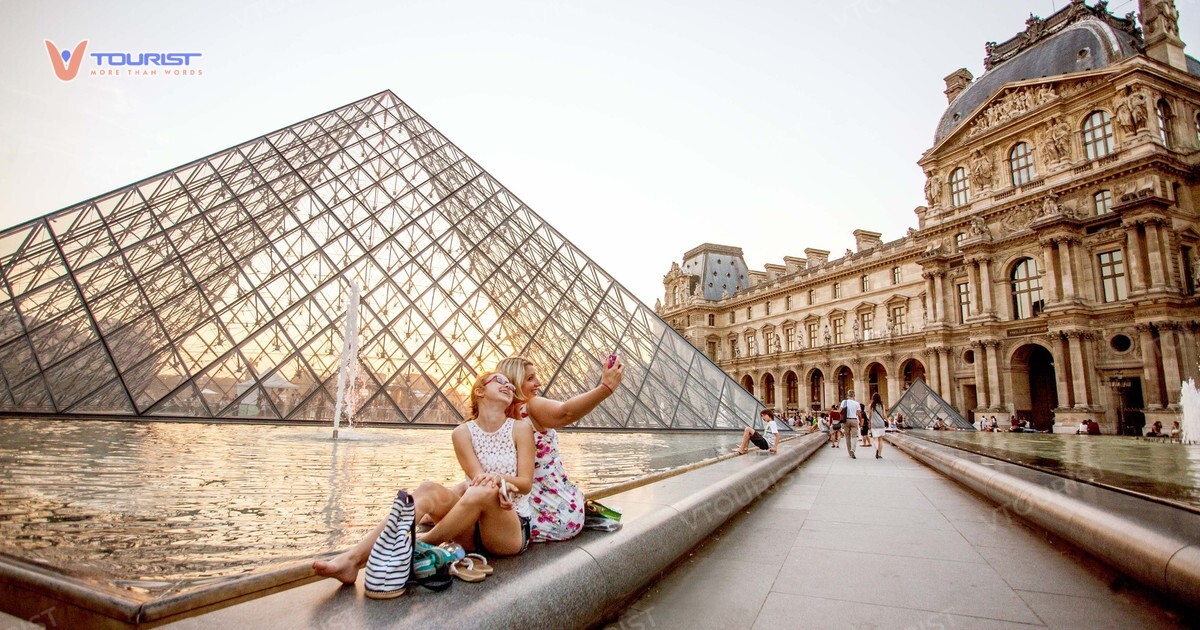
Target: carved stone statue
[[1050, 206], [982, 169], [828, 337], [934, 248], [979, 228], [1160, 16], [854, 327], [1133, 111], [1057, 140], [912, 233], [933, 189]]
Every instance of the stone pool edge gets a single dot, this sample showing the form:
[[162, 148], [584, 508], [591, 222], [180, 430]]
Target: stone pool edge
[[1158, 556], [605, 570]]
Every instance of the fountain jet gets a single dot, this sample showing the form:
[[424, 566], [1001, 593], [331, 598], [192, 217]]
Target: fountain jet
[[348, 365]]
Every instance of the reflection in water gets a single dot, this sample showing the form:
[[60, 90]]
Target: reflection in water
[[1166, 471], [152, 506]]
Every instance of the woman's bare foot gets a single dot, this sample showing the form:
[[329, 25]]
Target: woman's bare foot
[[342, 568]]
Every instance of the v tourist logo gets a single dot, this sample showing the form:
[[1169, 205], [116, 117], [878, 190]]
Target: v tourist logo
[[66, 62]]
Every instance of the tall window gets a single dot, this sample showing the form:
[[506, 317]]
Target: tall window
[[711, 350], [767, 307], [1112, 276], [964, 302], [839, 330], [712, 319], [895, 275], [811, 294], [751, 344], [733, 349], [1026, 290], [865, 283], [1103, 201], [898, 319], [837, 290], [1020, 162], [812, 334], [769, 338], [960, 188], [1097, 135], [1190, 282], [867, 321], [732, 317], [790, 337], [958, 239], [787, 302], [1164, 122], [1198, 128]]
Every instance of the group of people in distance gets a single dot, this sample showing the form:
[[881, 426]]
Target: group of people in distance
[[516, 490]]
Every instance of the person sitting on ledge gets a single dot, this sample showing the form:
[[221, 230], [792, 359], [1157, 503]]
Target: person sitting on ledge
[[1176, 434], [1155, 430], [769, 427], [496, 453], [1093, 427]]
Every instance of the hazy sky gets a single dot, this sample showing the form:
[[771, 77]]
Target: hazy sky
[[638, 129]]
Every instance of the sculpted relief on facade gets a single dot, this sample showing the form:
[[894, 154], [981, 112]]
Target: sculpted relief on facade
[[1014, 103]]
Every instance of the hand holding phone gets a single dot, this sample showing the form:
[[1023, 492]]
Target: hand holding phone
[[612, 360]]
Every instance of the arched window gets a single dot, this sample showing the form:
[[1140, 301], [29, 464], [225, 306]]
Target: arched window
[[1026, 290], [1097, 135], [1164, 122], [960, 188], [1020, 162]]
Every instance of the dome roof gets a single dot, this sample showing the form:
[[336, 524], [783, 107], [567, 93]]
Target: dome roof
[[1087, 44]]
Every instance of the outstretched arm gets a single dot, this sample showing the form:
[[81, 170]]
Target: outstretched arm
[[553, 414]]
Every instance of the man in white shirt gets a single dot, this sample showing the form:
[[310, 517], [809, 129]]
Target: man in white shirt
[[769, 443], [851, 411]]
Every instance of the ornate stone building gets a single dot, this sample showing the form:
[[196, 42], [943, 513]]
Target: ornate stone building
[[1053, 271]]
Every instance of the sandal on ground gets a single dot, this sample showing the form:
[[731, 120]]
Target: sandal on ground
[[481, 564], [465, 570], [739, 451]]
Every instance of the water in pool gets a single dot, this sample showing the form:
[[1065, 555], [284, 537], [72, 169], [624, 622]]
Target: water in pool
[[161, 506]]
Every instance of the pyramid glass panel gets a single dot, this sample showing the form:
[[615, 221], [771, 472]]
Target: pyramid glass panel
[[219, 290], [922, 407]]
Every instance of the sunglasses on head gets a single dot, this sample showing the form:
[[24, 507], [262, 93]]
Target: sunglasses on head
[[496, 377]]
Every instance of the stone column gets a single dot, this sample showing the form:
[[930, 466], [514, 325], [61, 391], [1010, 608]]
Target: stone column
[[934, 378], [1066, 259], [1133, 250], [985, 286], [1155, 254], [973, 277], [940, 293], [830, 387], [1150, 367], [1060, 364], [947, 378], [1170, 362], [993, 366], [931, 308], [981, 390], [1052, 294], [1078, 374], [894, 393], [860, 385]]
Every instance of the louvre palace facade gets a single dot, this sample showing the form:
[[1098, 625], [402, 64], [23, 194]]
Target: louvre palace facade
[[1052, 274]]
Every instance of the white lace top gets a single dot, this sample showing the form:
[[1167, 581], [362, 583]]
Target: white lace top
[[496, 451]]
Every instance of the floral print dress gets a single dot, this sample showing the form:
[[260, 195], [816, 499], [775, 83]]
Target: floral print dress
[[555, 503]]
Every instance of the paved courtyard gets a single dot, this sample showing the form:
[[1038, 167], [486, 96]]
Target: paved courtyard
[[888, 543]]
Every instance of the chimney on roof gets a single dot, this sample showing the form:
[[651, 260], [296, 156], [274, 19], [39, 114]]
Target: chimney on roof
[[956, 83], [1160, 28], [816, 257], [864, 240], [794, 264]]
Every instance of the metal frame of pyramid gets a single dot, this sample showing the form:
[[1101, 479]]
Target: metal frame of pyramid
[[217, 290], [920, 406]]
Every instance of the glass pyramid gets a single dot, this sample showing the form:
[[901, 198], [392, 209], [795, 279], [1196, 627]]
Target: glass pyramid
[[219, 289], [921, 406]]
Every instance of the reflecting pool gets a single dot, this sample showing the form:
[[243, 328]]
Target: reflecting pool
[[162, 506], [1170, 472]]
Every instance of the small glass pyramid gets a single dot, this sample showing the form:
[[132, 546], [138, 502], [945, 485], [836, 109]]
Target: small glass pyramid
[[921, 407]]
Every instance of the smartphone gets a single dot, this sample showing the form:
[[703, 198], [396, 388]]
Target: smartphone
[[612, 360]]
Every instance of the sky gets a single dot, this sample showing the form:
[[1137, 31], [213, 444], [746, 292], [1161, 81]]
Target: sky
[[638, 129]]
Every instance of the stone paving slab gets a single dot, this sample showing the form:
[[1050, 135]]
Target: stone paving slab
[[859, 557]]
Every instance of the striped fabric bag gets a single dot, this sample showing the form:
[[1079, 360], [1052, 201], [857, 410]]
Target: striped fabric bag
[[390, 564]]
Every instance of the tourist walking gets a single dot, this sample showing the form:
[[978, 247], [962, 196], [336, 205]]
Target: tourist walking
[[850, 410], [878, 423]]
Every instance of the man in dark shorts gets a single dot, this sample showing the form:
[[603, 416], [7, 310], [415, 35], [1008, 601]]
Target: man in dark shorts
[[750, 435]]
